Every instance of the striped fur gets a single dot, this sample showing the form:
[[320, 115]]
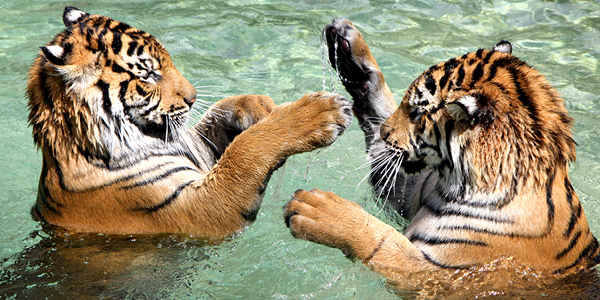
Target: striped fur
[[109, 112], [476, 154]]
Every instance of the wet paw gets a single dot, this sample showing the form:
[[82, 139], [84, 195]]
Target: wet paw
[[323, 217], [314, 121], [349, 54], [240, 112]]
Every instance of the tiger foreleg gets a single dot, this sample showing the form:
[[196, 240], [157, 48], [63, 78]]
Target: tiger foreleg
[[238, 181], [373, 104], [325, 218]]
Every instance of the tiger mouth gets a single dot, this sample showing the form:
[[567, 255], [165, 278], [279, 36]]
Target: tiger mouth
[[413, 167], [166, 128], [410, 167], [352, 75]]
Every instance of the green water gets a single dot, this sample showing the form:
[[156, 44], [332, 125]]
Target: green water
[[271, 47]]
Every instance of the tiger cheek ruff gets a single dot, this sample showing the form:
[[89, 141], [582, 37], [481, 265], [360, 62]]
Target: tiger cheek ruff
[[109, 110], [476, 155]]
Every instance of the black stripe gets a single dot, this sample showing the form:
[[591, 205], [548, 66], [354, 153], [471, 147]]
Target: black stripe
[[123, 91], [132, 46], [154, 179], [167, 201], [104, 31], [477, 73], [451, 212], [479, 53], [106, 103], [419, 93], [121, 27], [438, 135], [116, 43], [37, 214], [148, 110], [118, 69], [550, 202], [141, 91], [574, 241], [141, 67], [415, 114], [461, 76], [490, 232], [442, 265], [45, 196], [379, 246], [436, 108], [89, 33], [448, 70], [487, 57], [587, 252], [526, 100], [98, 22], [576, 211], [140, 51], [430, 85], [442, 241], [492, 72]]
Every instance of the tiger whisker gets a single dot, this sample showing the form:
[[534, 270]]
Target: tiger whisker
[[380, 160]]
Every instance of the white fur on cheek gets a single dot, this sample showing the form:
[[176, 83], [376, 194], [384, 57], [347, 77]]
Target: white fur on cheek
[[470, 103]]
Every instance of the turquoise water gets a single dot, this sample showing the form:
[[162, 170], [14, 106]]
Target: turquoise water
[[271, 47]]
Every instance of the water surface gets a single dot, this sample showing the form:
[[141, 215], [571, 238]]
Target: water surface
[[271, 47]]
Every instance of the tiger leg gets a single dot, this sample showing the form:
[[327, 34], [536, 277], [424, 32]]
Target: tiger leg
[[236, 184], [229, 117], [373, 104], [328, 219]]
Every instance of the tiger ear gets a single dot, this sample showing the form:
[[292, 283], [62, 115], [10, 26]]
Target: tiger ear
[[504, 47], [73, 15], [56, 54], [475, 108]]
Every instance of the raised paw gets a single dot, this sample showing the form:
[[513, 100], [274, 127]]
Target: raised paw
[[325, 218], [238, 113], [350, 55], [358, 70], [314, 121]]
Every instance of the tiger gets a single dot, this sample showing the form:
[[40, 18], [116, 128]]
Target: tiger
[[476, 156], [109, 111]]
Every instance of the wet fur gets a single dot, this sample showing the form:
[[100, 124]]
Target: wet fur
[[476, 155], [108, 111]]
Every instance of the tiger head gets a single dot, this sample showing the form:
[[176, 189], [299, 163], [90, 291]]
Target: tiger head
[[485, 121], [101, 84]]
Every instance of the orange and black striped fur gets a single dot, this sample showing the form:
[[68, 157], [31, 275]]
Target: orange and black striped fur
[[476, 155], [109, 112]]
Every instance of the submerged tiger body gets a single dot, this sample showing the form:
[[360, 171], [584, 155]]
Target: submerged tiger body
[[108, 111], [476, 155]]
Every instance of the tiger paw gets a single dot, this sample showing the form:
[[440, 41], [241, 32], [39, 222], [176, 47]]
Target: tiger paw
[[238, 113], [351, 58], [325, 218], [314, 121]]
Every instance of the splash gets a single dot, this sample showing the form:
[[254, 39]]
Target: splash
[[334, 78]]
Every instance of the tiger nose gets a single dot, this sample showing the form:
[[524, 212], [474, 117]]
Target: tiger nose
[[189, 97], [190, 100]]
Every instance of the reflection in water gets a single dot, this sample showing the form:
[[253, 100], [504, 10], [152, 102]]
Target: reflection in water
[[81, 266]]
